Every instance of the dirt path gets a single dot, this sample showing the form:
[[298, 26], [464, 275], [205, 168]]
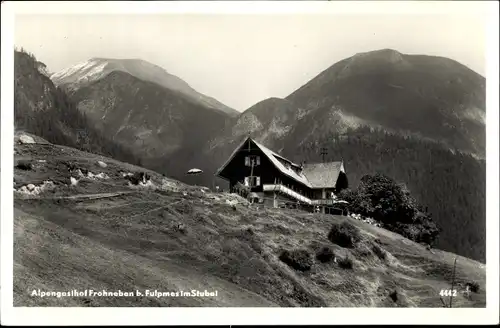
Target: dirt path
[[52, 158], [95, 196], [84, 196]]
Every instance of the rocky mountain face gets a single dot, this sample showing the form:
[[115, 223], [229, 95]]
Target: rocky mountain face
[[268, 121], [418, 119], [162, 126], [85, 73]]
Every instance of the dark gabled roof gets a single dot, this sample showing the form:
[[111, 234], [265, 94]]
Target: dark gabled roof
[[299, 177], [323, 175]]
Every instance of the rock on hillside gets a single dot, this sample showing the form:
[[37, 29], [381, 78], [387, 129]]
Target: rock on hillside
[[267, 121], [84, 73], [274, 116]]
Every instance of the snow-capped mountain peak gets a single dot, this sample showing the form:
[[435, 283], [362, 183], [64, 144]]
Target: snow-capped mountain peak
[[94, 69]]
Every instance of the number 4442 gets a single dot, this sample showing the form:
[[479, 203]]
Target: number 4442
[[448, 292]]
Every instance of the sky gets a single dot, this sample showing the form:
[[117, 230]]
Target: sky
[[243, 59]]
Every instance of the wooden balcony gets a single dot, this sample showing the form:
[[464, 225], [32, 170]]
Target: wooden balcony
[[286, 191], [295, 195]]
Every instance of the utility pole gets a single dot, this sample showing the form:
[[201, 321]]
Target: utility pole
[[323, 153], [453, 281]]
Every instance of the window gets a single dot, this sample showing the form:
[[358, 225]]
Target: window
[[252, 181], [252, 160]]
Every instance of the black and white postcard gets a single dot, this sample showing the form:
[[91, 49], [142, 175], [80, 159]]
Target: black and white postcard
[[307, 162]]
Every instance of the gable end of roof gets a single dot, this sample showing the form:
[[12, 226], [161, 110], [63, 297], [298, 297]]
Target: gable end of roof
[[314, 176]]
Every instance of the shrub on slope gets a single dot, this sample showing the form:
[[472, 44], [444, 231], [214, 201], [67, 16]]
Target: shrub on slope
[[298, 259], [344, 235], [325, 255], [381, 198]]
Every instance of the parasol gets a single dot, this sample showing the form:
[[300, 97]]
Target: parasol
[[194, 171]]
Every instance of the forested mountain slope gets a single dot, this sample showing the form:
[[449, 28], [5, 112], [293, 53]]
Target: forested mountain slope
[[46, 111]]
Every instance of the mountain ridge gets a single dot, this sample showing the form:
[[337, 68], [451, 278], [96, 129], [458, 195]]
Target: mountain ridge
[[140, 105], [46, 111], [368, 85], [81, 74]]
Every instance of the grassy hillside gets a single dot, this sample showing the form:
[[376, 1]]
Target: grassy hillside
[[105, 233]]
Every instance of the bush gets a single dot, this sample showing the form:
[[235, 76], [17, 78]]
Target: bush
[[138, 177], [394, 296], [381, 198], [345, 263], [325, 255], [391, 203], [24, 165], [299, 259], [426, 233], [358, 201], [344, 234], [473, 286], [387, 200]]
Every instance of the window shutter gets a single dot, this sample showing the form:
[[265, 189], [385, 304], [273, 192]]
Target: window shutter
[[247, 182], [258, 181], [247, 161]]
